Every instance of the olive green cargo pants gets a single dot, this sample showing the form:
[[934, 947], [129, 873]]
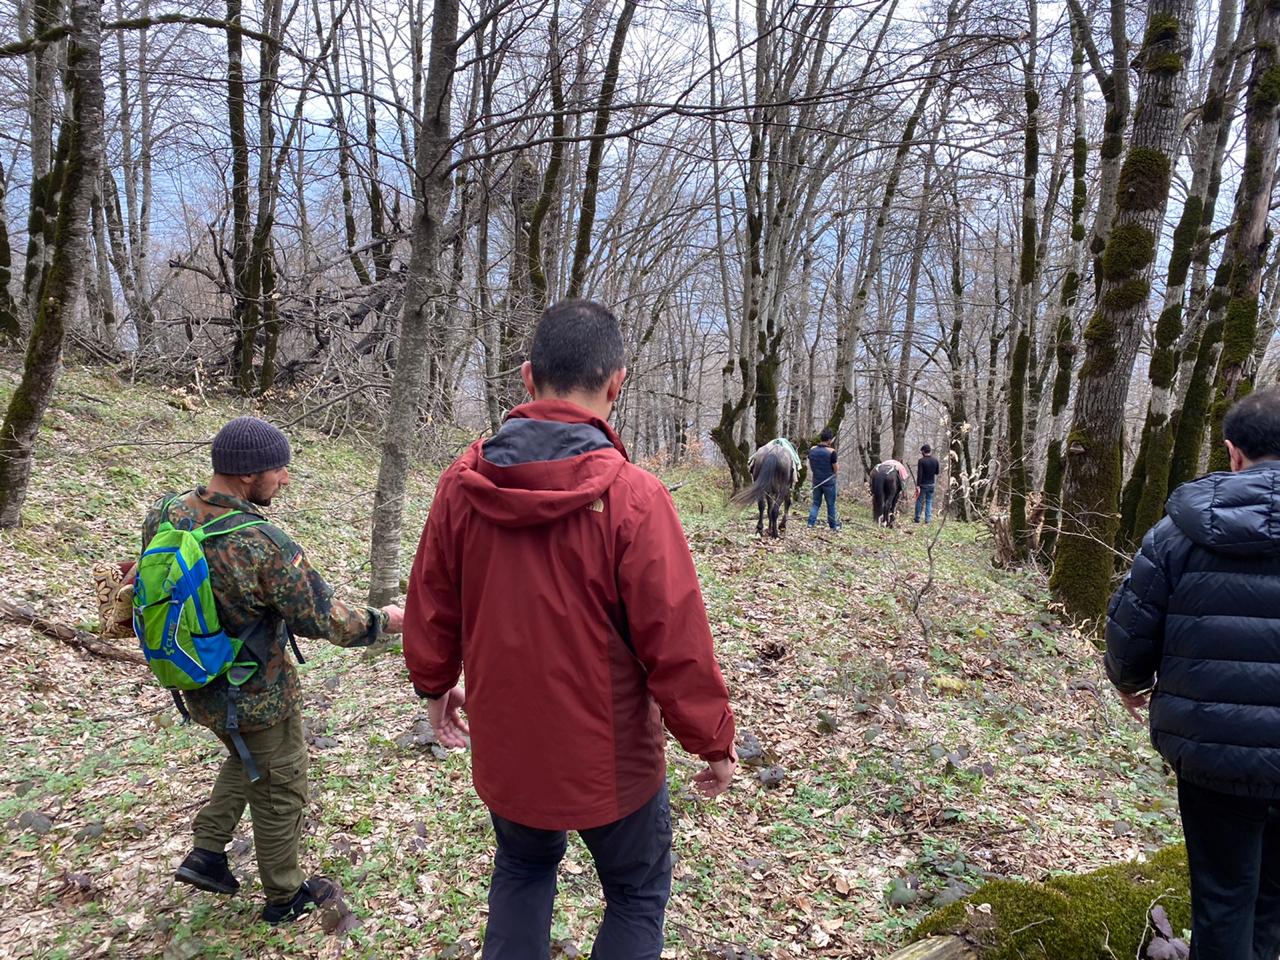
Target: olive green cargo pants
[[277, 803]]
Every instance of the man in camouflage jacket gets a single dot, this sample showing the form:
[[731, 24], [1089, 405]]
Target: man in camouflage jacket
[[259, 574]]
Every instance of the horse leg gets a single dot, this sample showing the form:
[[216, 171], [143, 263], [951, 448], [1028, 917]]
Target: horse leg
[[760, 519], [786, 509]]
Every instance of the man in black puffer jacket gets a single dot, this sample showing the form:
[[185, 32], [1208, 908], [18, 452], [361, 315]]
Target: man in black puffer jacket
[[1199, 616]]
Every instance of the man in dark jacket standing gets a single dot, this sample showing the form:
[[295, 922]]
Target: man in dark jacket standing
[[1200, 616], [927, 470], [557, 575], [824, 468]]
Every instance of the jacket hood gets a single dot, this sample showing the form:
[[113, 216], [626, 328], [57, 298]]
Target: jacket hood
[[549, 459], [1235, 513]]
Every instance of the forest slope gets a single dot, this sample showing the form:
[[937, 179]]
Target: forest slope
[[990, 747]]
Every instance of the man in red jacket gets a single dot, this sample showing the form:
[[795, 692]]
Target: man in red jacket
[[556, 574]]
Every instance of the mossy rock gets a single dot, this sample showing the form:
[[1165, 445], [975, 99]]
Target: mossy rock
[[1096, 916]]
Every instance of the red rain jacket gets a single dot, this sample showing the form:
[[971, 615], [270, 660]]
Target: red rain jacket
[[556, 574]]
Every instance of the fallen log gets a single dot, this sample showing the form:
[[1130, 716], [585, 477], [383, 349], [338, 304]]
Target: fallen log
[[81, 639]]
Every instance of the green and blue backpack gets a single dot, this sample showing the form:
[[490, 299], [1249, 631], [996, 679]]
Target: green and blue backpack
[[175, 616]]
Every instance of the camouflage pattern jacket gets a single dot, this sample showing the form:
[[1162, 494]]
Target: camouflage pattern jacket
[[262, 574]]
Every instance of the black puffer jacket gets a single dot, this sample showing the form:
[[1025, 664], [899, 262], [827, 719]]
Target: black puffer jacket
[[1201, 613]]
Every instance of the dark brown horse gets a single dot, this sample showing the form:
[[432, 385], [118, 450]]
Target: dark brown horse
[[773, 473], [886, 488]]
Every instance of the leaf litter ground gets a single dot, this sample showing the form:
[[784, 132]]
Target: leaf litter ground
[[891, 769]]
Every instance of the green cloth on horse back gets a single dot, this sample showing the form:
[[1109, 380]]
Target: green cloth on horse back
[[784, 444]]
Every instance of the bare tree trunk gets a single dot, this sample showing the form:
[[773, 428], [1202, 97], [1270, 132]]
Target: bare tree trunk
[[551, 178], [345, 154], [377, 203], [244, 310], [10, 329], [1115, 90], [1065, 347], [42, 70], [732, 447], [1084, 563], [1202, 338], [135, 168], [102, 286], [1268, 318], [591, 179], [423, 304], [1018, 485], [900, 410], [850, 328], [960, 467], [261, 272], [116, 247], [80, 156]]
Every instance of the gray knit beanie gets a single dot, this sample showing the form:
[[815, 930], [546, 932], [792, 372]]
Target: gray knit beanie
[[249, 445]]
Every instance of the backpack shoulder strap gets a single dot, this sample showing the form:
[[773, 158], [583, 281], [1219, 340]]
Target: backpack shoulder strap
[[229, 522], [161, 506], [260, 635], [234, 520]]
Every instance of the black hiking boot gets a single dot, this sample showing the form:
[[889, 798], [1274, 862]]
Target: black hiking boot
[[207, 870], [314, 892]]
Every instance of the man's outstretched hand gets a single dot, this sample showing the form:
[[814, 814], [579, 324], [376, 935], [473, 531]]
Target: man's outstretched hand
[[715, 780], [395, 618], [446, 718]]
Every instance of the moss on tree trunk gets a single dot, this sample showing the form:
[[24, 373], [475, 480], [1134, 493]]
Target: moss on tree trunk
[[80, 142], [1064, 348], [1250, 236], [1018, 481], [1084, 562]]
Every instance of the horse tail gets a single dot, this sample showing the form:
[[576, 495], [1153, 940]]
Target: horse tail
[[761, 485]]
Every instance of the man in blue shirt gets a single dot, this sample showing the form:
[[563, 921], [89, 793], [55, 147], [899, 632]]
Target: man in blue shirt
[[823, 468], [927, 470]]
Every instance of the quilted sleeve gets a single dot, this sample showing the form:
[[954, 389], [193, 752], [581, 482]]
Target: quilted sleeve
[[1135, 617]]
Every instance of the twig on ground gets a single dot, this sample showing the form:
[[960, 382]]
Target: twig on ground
[[918, 596]]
